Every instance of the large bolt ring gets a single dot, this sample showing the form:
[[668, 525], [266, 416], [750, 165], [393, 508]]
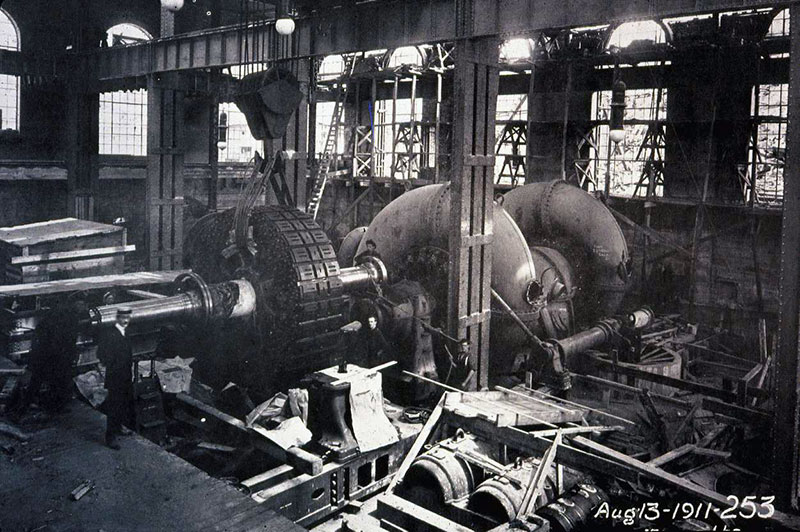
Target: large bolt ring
[[189, 281]]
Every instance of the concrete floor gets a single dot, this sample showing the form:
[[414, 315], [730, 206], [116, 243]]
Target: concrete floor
[[138, 488]]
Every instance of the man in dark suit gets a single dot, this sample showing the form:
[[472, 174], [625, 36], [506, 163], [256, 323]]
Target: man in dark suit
[[375, 348], [114, 350]]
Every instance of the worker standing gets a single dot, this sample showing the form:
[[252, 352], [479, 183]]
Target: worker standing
[[53, 353], [375, 348], [114, 351]]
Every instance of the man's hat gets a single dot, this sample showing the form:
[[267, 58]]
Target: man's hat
[[124, 311]]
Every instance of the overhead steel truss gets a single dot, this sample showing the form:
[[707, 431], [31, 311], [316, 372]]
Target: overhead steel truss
[[389, 24]]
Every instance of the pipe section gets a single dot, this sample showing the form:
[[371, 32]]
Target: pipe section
[[601, 333], [561, 216], [229, 300]]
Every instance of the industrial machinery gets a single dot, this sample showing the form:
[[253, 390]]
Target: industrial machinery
[[281, 280], [267, 302], [560, 262]]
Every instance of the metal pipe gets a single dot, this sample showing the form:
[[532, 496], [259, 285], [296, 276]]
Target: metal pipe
[[601, 333], [508, 310]]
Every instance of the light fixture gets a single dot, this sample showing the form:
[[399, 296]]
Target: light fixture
[[172, 5], [284, 23], [617, 127]]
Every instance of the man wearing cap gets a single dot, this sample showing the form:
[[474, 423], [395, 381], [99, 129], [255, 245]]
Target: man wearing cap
[[114, 350]]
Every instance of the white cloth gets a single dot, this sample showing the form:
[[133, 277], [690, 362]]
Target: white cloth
[[371, 428]]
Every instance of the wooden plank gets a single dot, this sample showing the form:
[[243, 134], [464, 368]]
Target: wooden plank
[[530, 443], [416, 447], [415, 516], [674, 454], [263, 480], [675, 383], [538, 477], [71, 255], [790, 521], [743, 384], [89, 283], [302, 460]]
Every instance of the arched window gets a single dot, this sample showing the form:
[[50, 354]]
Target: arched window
[[516, 50], [123, 114], [125, 33], [9, 85], [331, 67], [780, 24], [644, 30], [406, 56]]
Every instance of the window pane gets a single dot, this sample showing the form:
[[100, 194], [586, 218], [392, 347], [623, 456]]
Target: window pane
[[123, 123]]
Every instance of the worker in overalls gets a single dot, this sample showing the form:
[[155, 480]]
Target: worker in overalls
[[114, 351]]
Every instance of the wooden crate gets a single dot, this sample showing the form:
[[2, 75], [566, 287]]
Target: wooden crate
[[67, 248]]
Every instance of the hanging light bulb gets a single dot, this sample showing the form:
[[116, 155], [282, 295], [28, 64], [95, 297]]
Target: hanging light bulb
[[172, 5], [284, 23]]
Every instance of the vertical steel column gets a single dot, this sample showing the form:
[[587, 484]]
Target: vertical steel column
[[472, 193], [83, 180], [213, 149], [785, 428], [530, 151], [164, 188], [83, 119]]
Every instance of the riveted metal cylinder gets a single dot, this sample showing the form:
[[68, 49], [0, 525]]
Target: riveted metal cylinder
[[500, 497]]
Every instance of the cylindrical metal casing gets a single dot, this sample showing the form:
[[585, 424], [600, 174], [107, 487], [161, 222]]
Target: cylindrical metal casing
[[574, 509], [363, 276], [500, 497]]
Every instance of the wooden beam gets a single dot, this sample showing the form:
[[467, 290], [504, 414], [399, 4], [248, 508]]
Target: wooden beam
[[651, 233], [303, 461], [416, 447], [475, 86], [164, 187], [790, 521], [681, 384]]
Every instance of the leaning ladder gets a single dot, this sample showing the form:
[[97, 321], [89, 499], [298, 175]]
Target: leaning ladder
[[323, 168]]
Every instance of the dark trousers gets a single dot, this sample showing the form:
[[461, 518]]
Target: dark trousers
[[118, 407], [59, 382]]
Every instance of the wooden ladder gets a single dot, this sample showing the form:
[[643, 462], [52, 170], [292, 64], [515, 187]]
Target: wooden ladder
[[323, 169]]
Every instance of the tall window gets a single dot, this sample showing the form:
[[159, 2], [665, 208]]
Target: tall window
[[236, 144], [9, 85], [123, 114], [639, 158], [767, 148], [511, 133]]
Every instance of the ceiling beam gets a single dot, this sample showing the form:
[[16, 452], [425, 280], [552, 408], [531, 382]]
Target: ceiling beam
[[389, 24]]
